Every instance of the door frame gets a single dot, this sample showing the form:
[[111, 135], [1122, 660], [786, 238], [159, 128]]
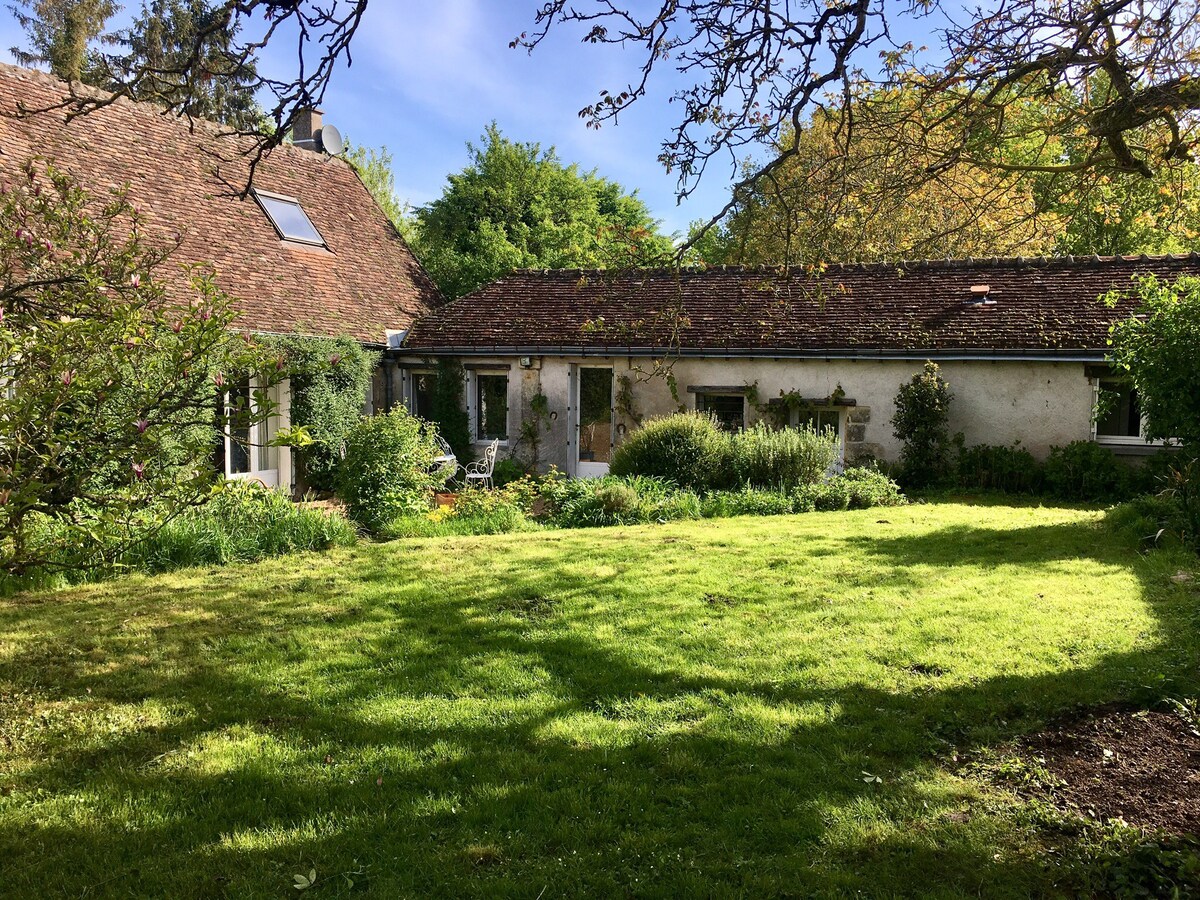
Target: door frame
[[576, 467]]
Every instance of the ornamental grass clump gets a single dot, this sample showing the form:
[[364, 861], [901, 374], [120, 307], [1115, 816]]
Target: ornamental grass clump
[[783, 458]]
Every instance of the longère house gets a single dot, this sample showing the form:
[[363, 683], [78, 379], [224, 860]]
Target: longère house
[[1021, 341], [308, 251]]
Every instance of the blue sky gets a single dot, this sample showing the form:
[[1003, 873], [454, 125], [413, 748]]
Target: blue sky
[[428, 77]]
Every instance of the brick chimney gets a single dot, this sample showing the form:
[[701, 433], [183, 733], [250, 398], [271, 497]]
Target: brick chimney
[[305, 127]]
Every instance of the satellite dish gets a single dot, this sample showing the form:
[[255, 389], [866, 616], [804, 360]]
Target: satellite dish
[[330, 140]]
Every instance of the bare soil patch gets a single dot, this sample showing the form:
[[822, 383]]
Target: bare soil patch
[[1142, 767]]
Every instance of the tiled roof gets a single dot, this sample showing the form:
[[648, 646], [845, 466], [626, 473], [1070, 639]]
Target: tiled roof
[[1032, 305], [186, 180]]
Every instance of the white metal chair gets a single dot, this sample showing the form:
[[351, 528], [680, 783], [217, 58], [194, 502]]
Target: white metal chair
[[480, 472]]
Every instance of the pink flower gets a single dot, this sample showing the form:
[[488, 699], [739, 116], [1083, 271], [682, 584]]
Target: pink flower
[[135, 280], [219, 380], [139, 471], [142, 425], [335, 359], [67, 377], [176, 327]]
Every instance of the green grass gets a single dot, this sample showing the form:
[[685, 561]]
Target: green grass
[[681, 710]]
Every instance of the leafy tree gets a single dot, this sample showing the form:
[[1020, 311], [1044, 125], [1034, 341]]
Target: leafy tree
[[60, 33], [516, 206], [922, 421], [374, 167], [1103, 74], [112, 383], [186, 52], [1158, 348]]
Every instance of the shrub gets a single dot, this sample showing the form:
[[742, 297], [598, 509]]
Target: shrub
[[1147, 519], [687, 449], [748, 501], [330, 377], [781, 458], [507, 471], [1083, 470], [997, 468], [244, 522], [922, 421], [386, 472], [857, 488]]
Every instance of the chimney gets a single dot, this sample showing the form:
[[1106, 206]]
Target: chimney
[[305, 127]]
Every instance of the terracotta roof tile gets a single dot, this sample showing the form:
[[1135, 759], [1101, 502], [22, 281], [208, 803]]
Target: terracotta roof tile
[[1032, 304], [187, 178]]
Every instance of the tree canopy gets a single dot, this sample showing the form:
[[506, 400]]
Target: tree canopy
[[517, 206], [374, 167]]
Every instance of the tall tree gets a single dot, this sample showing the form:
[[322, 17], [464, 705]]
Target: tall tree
[[188, 53], [60, 33], [374, 167], [517, 206], [751, 70]]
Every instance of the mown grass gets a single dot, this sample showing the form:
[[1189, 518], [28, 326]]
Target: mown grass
[[695, 709]]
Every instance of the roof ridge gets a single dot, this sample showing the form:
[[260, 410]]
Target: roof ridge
[[961, 263]]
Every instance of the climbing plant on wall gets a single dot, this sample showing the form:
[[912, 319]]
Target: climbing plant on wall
[[329, 378]]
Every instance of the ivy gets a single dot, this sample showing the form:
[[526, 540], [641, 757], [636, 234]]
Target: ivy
[[330, 379]]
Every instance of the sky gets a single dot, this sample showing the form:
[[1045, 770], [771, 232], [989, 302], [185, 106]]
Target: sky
[[427, 77]]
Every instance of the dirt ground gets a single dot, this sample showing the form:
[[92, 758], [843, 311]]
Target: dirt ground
[[1142, 767]]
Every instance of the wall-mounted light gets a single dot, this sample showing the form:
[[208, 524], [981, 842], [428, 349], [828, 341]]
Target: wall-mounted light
[[526, 362], [621, 429], [553, 416]]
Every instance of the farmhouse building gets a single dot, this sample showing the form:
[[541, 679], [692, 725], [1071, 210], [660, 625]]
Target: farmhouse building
[[1022, 343]]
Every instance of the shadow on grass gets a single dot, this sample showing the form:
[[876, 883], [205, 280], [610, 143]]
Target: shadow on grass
[[522, 748]]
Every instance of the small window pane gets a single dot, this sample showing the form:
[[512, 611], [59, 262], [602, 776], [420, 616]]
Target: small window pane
[[1124, 415], [424, 384], [238, 458], [491, 395], [728, 409], [290, 220], [820, 420]]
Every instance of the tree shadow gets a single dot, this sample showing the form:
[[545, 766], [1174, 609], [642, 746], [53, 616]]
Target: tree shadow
[[522, 748]]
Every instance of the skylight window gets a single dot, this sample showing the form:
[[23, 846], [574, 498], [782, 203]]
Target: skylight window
[[289, 218]]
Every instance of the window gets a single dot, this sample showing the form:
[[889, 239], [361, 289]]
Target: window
[[423, 386], [248, 452], [289, 218], [728, 409], [820, 420], [1121, 422], [491, 407]]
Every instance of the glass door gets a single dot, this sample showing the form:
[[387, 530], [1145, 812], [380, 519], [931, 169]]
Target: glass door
[[594, 440]]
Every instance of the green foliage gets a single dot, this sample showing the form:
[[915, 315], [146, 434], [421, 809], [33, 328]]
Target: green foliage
[[113, 383], [374, 167], [59, 32], [386, 472], [1083, 470], [686, 448], [449, 411], [988, 467], [856, 488], [782, 458], [517, 207], [747, 501], [242, 523], [1158, 348], [507, 471], [922, 423], [330, 378], [179, 54]]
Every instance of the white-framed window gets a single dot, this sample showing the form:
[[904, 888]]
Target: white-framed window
[[1121, 422], [728, 409], [487, 405], [248, 451]]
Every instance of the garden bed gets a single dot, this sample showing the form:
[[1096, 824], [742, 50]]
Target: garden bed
[[1142, 767]]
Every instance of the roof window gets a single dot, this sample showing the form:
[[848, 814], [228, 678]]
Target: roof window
[[289, 218]]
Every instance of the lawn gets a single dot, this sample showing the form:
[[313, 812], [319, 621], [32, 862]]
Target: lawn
[[770, 706]]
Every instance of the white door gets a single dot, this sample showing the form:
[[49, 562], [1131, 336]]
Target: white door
[[593, 420]]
